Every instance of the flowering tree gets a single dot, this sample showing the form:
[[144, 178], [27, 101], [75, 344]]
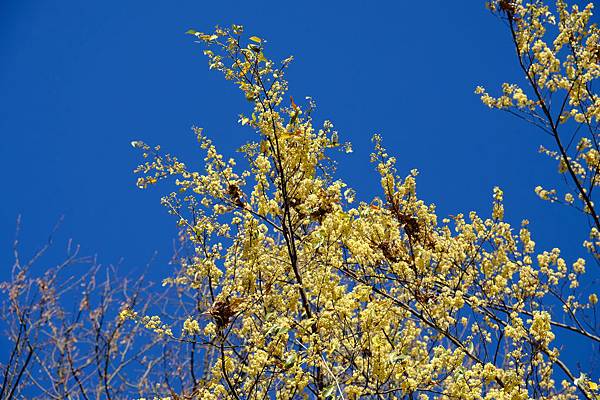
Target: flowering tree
[[302, 293], [290, 288], [559, 55]]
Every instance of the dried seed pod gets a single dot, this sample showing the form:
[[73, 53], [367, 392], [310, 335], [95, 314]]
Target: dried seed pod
[[223, 310], [235, 194], [508, 6]]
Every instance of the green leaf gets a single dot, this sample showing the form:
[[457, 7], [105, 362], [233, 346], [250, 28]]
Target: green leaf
[[256, 39], [290, 360], [282, 330], [273, 330], [191, 32], [329, 391], [255, 48]]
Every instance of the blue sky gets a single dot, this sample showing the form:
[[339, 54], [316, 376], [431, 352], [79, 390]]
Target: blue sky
[[79, 80]]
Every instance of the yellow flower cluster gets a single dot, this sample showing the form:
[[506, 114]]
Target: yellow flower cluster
[[312, 294], [558, 51]]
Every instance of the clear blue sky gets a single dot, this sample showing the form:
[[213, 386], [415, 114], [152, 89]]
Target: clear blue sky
[[79, 80]]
